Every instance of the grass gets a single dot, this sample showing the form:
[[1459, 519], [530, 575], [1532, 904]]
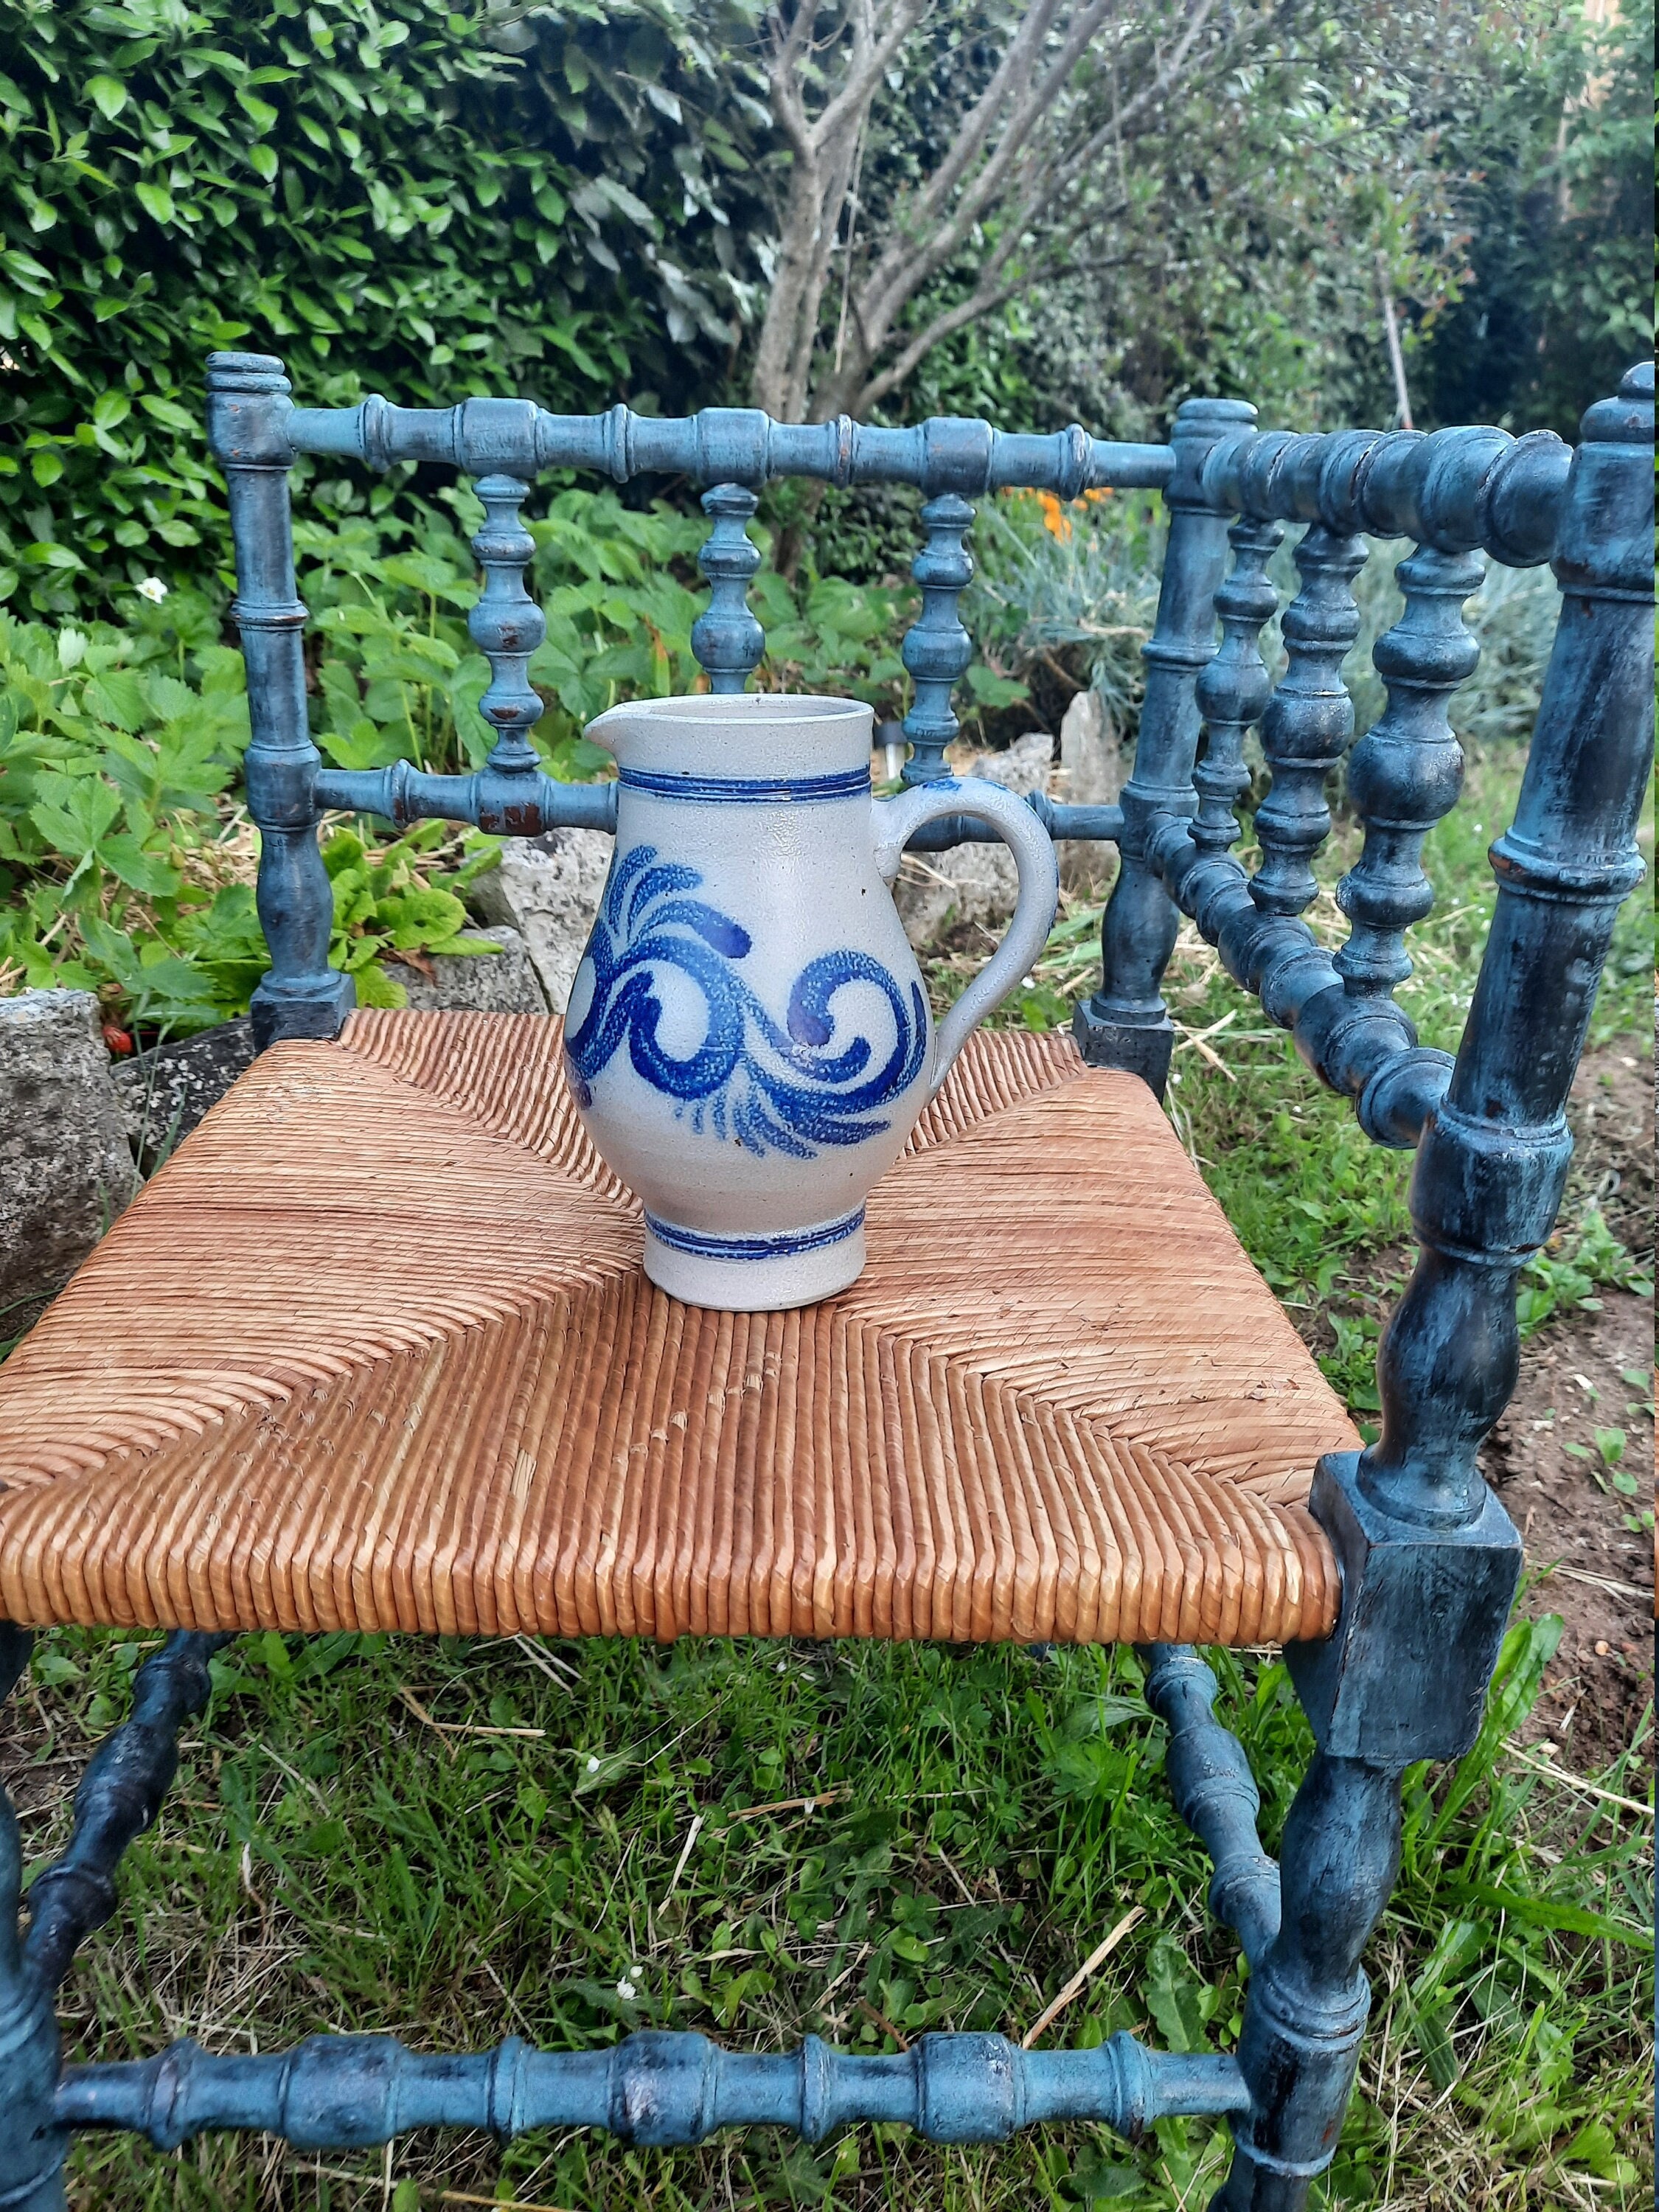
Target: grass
[[353, 1844]]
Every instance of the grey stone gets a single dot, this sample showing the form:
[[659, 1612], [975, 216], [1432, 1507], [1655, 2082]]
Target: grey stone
[[503, 981], [1092, 767], [65, 1168], [548, 889], [164, 1092], [937, 892]]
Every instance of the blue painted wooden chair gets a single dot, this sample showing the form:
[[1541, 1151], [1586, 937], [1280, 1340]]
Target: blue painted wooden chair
[[1389, 1588]]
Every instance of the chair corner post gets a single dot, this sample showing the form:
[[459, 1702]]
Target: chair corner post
[[248, 411], [31, 2141], [1430, 1560], [1309, 1998], [1126, 1022], [1403, 1675], [1492, 1162]]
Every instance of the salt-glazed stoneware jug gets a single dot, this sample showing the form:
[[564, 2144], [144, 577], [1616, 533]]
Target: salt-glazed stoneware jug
[[748, 1041]]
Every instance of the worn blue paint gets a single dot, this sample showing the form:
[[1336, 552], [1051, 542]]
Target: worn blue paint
[[937, 648], [720, 446], [727, 639], [1215, 1794], [301, 996], [401, 792], [118, 1797], [1125, 1024], [1306, 2007], [655, 2088], [769, 1086], [1429, 1560]]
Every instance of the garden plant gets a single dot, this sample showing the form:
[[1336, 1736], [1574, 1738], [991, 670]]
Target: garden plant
[[421, 1837]]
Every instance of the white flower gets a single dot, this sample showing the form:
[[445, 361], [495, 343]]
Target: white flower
[[592, 1765], [626, 1990], [154, 589]]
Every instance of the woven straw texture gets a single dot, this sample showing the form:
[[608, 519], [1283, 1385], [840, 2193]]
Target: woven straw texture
[[374, 1351]]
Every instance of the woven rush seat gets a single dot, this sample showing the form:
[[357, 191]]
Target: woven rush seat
[[375, 1349]]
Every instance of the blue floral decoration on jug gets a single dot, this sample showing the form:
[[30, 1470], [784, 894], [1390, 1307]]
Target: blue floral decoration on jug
[[770, 1089]]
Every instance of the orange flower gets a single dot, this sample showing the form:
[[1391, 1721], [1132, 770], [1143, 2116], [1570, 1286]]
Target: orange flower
[[1055, 520]]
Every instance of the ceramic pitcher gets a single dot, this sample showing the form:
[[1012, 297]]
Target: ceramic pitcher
[[748, 1040]]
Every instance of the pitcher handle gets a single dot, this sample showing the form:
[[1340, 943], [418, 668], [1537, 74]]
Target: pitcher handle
[[898, 819]]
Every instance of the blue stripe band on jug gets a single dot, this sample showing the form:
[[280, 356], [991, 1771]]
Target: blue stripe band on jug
[[785, 1245], [745, 790]]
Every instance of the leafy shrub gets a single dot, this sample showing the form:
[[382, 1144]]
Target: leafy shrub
[[1078, 582], [126, 866], [162, 163]]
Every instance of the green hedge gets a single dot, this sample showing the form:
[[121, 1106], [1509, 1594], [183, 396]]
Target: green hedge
[[367, 187]]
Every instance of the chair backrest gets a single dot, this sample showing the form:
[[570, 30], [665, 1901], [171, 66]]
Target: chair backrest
[[1490, 1128]]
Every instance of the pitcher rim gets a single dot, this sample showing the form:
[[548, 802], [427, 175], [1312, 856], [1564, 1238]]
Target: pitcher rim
[[778, 708]]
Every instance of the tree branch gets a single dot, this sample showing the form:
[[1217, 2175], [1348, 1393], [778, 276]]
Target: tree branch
[[854, 98], [975, 125], [898, 276]]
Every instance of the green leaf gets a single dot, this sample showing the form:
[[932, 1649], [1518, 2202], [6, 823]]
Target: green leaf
[[1595, 2149], [1173, 1994], [23, 269], [260, 112], [1099, 2180], [73, 813], [144, 871], [1434, 2041], [167, 411], [374, 987], [1552, 1912], [108, 95], [155, 200]]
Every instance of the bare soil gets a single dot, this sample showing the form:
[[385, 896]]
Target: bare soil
[[1611, 1114], [1586, 1560], [1590, 1564], [1593, 1559]]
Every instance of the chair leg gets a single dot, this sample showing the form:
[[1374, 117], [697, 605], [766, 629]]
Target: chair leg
[[32, 2145], [1308, 2000], [119, 1795]]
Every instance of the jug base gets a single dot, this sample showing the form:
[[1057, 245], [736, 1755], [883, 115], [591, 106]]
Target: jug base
[[762, 1274]]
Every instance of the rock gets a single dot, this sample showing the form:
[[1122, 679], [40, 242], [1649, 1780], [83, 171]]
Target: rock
[[502, 981], [65, 1168], [548, 888], [939, 892], [1092, 767], [164, 1092]]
